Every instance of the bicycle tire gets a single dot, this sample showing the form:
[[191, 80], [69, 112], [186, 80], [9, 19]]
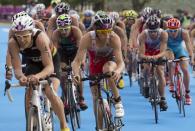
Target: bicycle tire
[[34, 124], [71, 111], [74, 112], [177, 94], [182, 94], [154, 97], [105, 118], [118, 124]]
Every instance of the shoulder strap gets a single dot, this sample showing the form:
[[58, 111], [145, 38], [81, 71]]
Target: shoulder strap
[[93, 37], [36, 35]]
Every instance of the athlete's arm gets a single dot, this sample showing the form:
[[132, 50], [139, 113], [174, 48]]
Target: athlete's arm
[[81, 53], [15, 58], [116, 44], [55, 38], [78, 34], [142, 39], [46, 57], [163, 44], [186, 39]]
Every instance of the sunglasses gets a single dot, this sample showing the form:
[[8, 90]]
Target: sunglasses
[[104, 31], [23, 36], [64, 29], [130, 18], [172, 31]]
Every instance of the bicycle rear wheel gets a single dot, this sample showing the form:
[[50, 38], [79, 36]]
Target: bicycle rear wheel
[[34, 123]]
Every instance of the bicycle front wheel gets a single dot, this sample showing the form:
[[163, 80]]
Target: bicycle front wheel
[[34, 123], [73, 108], [182, 94], [154, 92]]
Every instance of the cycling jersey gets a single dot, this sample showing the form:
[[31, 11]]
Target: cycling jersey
[[98, 56], [32, 57], [175, 44], [87, 23], [31, 54], [67, 48], [152, 46]]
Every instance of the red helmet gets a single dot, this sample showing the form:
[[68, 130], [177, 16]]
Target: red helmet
[[173, 23]]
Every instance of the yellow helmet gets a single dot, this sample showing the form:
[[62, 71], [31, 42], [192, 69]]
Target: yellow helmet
[[131, 14]]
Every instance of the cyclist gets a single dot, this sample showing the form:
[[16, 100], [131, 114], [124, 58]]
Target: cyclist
[[139, 26], [67, 38], [75, 14], [115, 16], [33, 44], [87, 19], [44, 18], [175, 37], [36, 11], [118, 29], [153, 44], [130, 17], [104, 49], [52, 6], [61, 8], [8, 66], [192, 36]]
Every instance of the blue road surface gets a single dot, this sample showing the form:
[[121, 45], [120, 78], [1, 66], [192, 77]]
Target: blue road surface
[[138, 112]]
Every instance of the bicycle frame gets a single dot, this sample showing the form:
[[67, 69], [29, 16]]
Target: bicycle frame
[[108, 122], [38, 117], [153, 90], [179, 91], [72, 98]]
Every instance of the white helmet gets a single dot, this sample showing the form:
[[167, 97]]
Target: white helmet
[[19, 14], [23, 23], [39, 7], [114, 15]]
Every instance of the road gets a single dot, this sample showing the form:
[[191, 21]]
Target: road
[[138, 112]]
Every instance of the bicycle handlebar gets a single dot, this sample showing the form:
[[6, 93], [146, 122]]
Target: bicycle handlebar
[[177, 60], [153, 61], [8, 86]]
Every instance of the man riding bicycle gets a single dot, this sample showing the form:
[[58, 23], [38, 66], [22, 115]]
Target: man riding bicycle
[[153, 44], [176, 50], [33, 44], [67, 39], [104, 49]]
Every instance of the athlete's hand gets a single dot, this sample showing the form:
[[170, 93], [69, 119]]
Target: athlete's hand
[[116, 75], [8, 74], [23, 80], [33, 79], [76, 79]]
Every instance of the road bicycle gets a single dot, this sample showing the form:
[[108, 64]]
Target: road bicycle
[[131, 65], [104, 106], [70, 97], [40, 116], [153, 82], [179, 89]]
